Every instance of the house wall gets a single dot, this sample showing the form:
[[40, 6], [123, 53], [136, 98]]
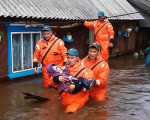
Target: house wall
[[80, 36], [122, 44], [142, 39], [3, 52]]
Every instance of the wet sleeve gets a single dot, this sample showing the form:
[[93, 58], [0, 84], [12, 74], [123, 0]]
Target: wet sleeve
[[110, 31], [89, 24], [63, 51], [102, 74], [36, 55]]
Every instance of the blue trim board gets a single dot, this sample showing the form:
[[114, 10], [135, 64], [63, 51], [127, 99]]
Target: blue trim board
[[21, 74], [21, 28], [17, 29]]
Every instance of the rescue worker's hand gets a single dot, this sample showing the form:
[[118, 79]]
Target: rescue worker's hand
[[35, 69], [74, 78], [71, 88], [110, 44], [62, 79], [78, 18]]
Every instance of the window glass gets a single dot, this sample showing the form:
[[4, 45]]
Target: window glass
[[36, 38], [27, 60], [16, 50], [23, 46]]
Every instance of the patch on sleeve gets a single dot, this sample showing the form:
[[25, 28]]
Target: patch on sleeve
[[102, 65], [84, 89], [111, 36], [94, 24], [86, 73], [60, 43], [34, 59], [65, 59], [98, 82], [38, 47], [109, 25]]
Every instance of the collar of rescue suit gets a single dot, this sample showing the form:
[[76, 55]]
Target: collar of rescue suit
[[94, 60], [104, 21], [45, 42], [52, 38], [75, 67], [99, 24]]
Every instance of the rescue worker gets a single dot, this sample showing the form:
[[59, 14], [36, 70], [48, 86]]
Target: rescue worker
[[147, 55], [100, 70], [74, 101], [104, 33], [48, 49]]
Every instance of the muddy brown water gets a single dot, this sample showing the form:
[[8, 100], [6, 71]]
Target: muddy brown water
[[128, 97]]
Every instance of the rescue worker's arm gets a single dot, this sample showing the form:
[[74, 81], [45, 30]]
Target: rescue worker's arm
[[86, 73], [63, 51], [89, 25], [74, 88], [102, 74], [111, 33], [36, 57], [57, 79], [71, 88]]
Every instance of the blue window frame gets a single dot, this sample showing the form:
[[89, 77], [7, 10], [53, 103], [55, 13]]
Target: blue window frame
[[21, 44]]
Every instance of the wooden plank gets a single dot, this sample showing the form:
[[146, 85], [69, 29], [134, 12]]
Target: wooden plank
[[31, 96]]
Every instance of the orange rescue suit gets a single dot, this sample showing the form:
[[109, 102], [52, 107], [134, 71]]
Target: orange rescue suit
[[55, 55], [78, 100], [103, 36], [101, 72]]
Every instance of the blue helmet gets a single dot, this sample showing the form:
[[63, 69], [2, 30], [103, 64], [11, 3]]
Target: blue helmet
[[100, 13], [93, 44], [72, 52], [46, 27]]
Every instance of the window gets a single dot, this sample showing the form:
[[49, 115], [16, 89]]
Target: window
[[23, 46]]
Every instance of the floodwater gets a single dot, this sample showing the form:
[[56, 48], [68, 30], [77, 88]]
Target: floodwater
[[128, 97]]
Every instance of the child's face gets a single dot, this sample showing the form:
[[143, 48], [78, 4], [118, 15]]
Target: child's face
[[59, 69]]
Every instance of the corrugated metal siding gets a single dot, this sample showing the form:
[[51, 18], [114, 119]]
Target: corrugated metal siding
[[146, 21], [67, 9], [143, 6]]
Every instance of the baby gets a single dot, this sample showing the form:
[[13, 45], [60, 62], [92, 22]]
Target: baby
[[54, 70]]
